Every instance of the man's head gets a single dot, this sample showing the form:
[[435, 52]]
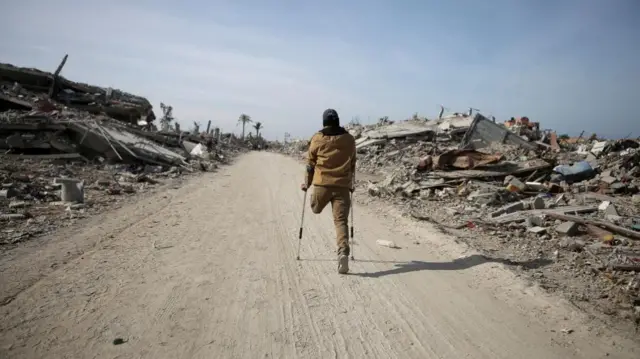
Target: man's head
[[330, 118]]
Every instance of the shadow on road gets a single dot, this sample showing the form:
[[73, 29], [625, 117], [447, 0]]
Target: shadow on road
[[456, 264], [352, 261]]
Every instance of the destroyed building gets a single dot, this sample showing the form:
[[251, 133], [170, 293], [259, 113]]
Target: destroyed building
[[65, 144]]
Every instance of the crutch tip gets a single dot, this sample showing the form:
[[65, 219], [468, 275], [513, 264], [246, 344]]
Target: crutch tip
[[298, 258], [353, 259]]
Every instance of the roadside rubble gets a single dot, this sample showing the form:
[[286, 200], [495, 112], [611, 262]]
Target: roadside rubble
[[517, 191], [67, 150]]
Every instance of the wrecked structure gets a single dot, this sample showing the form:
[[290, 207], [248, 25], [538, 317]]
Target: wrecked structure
[[21, 84], [67, 148], [570, 204]]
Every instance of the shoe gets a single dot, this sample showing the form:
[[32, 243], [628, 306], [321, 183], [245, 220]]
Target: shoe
[[343, 264]]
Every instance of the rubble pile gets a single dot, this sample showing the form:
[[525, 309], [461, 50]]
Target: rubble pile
[[295, 148], [69, 149], [521, 193]]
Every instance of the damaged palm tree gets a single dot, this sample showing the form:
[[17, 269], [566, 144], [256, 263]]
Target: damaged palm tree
[[258, 126], [244, 119]]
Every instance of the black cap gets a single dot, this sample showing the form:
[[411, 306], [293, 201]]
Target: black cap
[[330, 118]]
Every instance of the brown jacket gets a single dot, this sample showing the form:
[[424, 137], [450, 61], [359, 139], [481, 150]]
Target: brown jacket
[[331, 161]]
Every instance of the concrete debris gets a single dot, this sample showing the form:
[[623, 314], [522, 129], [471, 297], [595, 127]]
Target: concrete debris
[[459, 159], [537, 230], [509, 208], [513, 189], [483, 133], [567, 228], [68, 150], [535, 221], [387, 243], [570, 244], [71, 189], [538, 203], [515, 185]]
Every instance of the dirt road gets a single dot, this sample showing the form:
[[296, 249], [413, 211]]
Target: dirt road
[[208, 270]]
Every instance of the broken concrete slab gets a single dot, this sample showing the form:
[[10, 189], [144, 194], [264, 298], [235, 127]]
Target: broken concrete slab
[[539, 203], [71, 190], [567, 228], [521, 216], [13, 103], [483, 132], [480, 197], [369, 142], [510, 208], [114, 139], [398, 130], [458, 159], [500, 170], [19, 204], [537, 230], [608, 179], [534, 221], [598, 147], [611, 210]]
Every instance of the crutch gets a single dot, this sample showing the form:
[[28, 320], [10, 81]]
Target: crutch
[[304, 205], [351, 227]]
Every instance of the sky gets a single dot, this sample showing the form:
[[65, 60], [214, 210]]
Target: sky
[[572, 65]]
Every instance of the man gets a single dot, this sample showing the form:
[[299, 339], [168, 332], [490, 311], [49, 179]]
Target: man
[[331, 167]]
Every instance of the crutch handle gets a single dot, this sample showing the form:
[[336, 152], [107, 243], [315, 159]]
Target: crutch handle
[[351, 232], [300, 235]]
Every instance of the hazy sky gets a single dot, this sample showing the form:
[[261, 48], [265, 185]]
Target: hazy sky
[[570, 64]]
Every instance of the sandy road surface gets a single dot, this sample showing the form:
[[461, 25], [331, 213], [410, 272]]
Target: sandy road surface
[[209, 271]]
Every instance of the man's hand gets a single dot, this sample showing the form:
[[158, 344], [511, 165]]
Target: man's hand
[[304, 187], [352, 189]]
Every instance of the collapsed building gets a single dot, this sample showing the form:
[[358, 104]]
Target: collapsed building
[[69, 145], [521, 192]]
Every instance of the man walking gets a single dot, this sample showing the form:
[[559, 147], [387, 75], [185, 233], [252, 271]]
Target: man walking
[[331, 167]]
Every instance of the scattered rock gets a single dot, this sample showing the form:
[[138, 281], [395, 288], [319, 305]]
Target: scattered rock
[[119, 341], [386, 243]]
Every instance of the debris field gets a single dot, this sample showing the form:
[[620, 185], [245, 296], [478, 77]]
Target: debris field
[[69, 149], [567, 205]]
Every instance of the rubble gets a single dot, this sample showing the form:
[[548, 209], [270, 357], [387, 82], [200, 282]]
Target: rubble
[[567, 228], [68, 150], [515, 190]]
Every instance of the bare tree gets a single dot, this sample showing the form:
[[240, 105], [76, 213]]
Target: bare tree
[[167, 117]]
